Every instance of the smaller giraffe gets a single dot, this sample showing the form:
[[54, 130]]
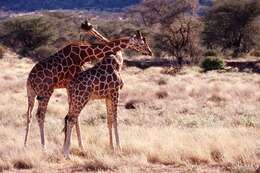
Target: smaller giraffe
[[103, 81]]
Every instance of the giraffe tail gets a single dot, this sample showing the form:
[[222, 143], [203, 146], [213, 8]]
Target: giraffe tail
[[31, 99], [65, 124]]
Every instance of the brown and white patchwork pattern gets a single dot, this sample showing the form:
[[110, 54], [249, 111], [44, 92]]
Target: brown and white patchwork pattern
[[103, 81]]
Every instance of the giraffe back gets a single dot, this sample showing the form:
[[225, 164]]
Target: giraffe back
[[97, 82]]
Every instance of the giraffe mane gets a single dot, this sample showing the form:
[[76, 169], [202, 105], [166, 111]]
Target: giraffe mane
[[76, 43], [114, 40]]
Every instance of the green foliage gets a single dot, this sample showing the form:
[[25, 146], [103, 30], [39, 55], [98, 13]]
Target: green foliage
[[2, 51], [43, 52], [233, 24], [115, 29], [212, 63], [26, 33], [175, 30], [255, 53]]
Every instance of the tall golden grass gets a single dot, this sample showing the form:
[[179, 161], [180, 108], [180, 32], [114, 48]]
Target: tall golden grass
[[191, 122]]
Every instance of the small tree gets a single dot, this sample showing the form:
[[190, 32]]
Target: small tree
[[25, 33], [232, 24], [174, 26], [181, 40]]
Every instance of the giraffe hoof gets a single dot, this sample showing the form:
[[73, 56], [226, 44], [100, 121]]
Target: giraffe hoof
[[118, 149], [67, 157], [81, 148], [43, 148], [112, 148], [66, 154]]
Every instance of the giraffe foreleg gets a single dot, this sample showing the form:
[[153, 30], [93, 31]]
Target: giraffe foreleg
[[114, 112], [29, 117], [70, 122], [40, 115], [116, 132], [109, 122], [111, 104], [78, 131]]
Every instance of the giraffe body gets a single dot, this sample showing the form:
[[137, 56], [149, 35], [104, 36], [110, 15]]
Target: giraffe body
[[103, 81]]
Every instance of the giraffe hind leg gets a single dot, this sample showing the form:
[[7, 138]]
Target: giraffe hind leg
[[31, 100], [70, 121], [79, 135], [40, 115]]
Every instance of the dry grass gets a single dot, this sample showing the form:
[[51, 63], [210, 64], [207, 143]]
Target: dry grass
[[207, 122]]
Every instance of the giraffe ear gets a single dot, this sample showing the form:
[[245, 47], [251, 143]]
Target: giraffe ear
[[86, 26]]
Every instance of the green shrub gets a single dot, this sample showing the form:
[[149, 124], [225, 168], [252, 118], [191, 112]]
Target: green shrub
[[43, 52], [210, 53], [232, 25], [212, 63], [26, 34], [2, 51], [255, 53]]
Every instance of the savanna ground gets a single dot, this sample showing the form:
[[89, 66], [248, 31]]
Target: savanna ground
[[193, 122]]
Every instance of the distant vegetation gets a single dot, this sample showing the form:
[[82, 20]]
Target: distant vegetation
[[39, 36], [205, 2], [233, 25], [173, 29], [212, 63], [2, 50], [26, 33]]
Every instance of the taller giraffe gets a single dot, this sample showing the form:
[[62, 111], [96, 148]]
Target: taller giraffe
[[58, 69]]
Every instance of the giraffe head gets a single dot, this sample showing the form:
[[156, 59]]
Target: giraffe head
[[138, 43]]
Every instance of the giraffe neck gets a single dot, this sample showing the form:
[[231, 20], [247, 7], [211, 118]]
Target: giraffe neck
[[99, 51], [119, 44], [120, 60]]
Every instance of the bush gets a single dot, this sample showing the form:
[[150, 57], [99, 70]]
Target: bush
[[174, 31], [2, 51], [22, 164], [26, 34], [212, 63], [210, 53], [232, 25], [255, 53], [161, 94], [43, 52]]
